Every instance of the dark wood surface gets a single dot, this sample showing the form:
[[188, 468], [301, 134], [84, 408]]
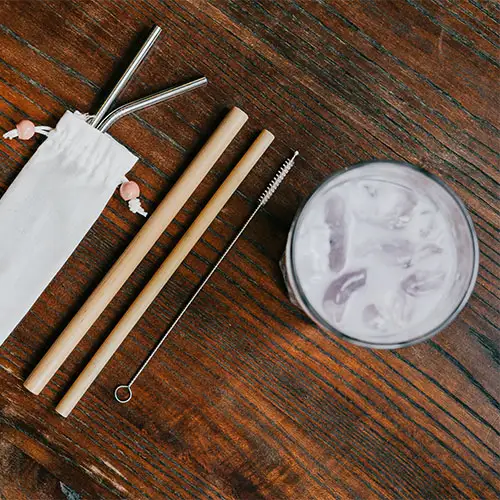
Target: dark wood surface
[[248, 399]]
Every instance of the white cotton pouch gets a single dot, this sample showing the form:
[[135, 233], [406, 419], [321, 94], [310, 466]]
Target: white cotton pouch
[[49, 208]]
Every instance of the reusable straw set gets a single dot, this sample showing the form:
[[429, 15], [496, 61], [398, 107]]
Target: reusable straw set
[[59, 194]]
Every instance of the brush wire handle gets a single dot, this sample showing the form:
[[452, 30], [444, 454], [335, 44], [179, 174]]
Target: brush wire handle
[[123, 393]]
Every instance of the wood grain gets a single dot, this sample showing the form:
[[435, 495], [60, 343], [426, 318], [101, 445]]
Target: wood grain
[[247, 399]]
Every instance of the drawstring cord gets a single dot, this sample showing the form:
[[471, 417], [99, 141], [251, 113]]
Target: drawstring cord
[[129, 190], [15, 132], [26, 129]]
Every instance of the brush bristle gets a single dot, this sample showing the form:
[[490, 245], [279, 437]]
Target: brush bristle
[[278, 179]]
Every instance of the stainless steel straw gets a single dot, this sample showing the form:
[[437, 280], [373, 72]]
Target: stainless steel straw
[[145, 102], [126, 390], [122, 82]]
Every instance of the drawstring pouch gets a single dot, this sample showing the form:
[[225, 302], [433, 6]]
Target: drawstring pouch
[[51, 205]]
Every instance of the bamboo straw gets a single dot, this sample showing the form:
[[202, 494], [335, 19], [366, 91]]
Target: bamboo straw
[[163, 274], [136, 250]]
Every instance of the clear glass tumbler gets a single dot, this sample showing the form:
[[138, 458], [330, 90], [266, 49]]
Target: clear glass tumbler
[[378, 239]]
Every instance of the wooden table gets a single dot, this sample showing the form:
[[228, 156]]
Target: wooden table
[[248, 399]]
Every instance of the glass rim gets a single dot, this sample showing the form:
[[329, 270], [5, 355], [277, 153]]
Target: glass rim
[[309, 309]]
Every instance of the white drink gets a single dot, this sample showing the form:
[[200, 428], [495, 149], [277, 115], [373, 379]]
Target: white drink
[[376, 254]]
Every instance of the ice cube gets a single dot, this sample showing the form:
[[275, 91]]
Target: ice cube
[[373, 318], [335, 219], [426, 252], [399, 307], [395, 252], [422, 282], [389, 205], [315, 255], [370, 188], [402, 210], [344, 286], [394, 307], [424, 222], [334, 312], [398, 252]]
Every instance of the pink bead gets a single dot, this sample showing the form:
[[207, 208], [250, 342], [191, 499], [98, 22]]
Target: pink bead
[[129, 190], [25, 129]]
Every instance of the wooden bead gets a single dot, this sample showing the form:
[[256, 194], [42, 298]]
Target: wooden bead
[[25, 129], [129, 190]]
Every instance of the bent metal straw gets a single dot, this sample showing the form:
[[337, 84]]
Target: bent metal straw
[[148, 101], [129, 72]]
